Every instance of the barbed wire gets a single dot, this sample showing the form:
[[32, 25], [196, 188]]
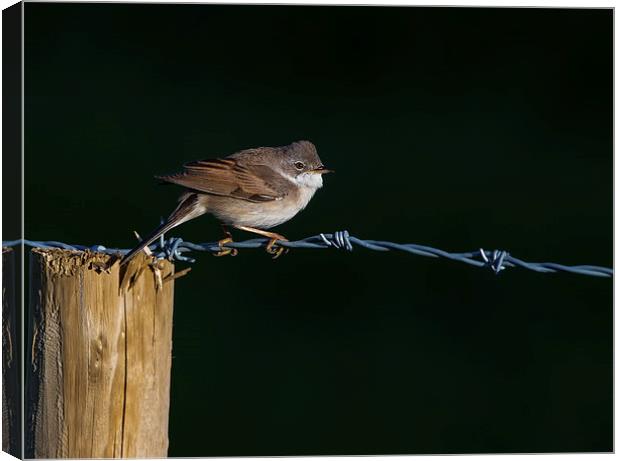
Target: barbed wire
[[497, 260]]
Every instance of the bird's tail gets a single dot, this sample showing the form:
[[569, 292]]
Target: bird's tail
[[188, 208]]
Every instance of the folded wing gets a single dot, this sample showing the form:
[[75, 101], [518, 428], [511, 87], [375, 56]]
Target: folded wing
[[227, 177]]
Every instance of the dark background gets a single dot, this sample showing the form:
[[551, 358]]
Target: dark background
[[456, 128]]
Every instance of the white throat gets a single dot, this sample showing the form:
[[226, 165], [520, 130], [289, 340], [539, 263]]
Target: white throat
[[311, 180]]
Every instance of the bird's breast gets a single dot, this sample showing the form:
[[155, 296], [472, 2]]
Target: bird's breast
[[262, 215]]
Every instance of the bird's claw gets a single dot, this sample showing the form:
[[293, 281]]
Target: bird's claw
[[274, 250], [225, 251]]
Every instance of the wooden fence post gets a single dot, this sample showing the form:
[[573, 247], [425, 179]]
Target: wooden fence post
[[99, 368], [11, 390]]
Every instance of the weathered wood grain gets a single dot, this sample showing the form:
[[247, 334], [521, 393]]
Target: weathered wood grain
[[11, 392], [101, 356]]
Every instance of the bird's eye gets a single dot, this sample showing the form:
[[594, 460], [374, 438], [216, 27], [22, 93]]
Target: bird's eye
[[299, 165]]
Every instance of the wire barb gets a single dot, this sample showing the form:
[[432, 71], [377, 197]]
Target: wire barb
[[174, 248], [339, 240], [495, 261]]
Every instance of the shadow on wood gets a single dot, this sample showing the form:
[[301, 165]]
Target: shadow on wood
[[100, 358]]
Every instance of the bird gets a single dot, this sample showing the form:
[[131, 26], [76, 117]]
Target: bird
[[251, 190]]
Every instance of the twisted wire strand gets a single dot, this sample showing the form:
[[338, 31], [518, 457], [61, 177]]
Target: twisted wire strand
[[496, 260]]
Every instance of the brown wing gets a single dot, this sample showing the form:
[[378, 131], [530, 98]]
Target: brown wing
[[227, 177]]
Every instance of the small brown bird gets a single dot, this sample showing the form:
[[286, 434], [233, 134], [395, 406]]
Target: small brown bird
[[251, 190]]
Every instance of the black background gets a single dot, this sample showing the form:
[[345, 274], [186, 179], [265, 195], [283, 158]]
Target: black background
[[455, 128]]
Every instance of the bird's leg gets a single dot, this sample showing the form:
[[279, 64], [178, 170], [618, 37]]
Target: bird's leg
[[225, 251], [271, 235]]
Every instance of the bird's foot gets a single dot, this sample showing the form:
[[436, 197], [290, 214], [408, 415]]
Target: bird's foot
[[225, 251], [278, 250], [273, 239]]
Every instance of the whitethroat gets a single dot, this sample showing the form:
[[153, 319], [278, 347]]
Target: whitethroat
[[251, 190]]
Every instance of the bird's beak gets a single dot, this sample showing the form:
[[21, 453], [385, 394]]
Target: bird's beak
[[321, 170]]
